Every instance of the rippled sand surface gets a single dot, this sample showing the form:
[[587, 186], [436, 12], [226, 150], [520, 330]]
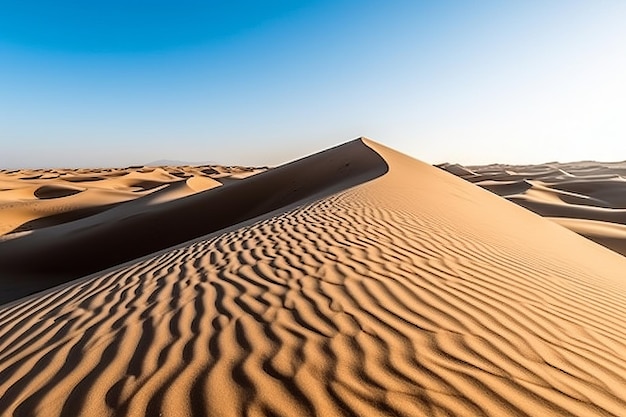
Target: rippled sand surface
[[403, 291]]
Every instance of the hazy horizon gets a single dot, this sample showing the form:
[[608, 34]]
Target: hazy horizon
[[177, 162], [127, 83]]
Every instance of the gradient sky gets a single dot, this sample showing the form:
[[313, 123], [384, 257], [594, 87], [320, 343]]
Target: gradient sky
[[95, 83]]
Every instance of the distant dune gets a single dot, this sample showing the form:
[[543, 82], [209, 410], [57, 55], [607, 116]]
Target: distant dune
[[33, 199], [177, 163], [587, 197], [354, 282]]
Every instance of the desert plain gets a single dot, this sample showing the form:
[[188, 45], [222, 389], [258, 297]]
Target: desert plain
[[357, 281]]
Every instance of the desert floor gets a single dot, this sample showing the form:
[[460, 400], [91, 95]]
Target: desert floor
[[354, 282]]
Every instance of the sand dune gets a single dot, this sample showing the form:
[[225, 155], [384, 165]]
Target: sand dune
[[34, 199], [587, 197], [158, 220], [409, 293]]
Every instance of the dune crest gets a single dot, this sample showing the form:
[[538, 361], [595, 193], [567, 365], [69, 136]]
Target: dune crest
[[409, 293], [164, 218]]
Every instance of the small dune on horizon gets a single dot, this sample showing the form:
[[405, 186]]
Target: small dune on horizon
[[354, 282]]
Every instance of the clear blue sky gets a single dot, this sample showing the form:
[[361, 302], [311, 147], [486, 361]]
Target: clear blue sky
[[95, 83]]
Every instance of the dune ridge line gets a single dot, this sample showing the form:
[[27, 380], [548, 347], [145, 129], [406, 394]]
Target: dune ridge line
[[76, 249]]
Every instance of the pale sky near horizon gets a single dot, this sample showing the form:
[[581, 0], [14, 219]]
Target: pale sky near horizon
[[128, 82]]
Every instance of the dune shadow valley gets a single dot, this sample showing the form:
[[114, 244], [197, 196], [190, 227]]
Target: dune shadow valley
[[356, 281]]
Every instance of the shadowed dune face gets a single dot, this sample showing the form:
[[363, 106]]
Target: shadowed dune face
[[55, 191], [159, 220], [412, 294], [588, 198]]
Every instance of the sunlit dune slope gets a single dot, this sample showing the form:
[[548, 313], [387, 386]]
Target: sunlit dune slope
[[415, 293]]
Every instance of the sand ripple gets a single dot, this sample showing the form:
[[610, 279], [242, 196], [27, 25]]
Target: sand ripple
[[402, 296]]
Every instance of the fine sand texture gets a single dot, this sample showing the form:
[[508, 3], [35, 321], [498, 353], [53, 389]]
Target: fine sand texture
[[587, 197], [405, 291]]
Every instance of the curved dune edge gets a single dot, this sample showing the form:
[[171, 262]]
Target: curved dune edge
[[415, 293], [163, 219], [56, 191]]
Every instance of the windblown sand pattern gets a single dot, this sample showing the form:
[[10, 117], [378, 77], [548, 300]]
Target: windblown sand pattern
[[587, 197], [415, 293]]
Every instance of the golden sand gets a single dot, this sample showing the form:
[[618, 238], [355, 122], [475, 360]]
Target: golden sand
[[401, 291]]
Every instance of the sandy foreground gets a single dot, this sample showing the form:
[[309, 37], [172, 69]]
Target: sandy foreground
[[354, 282]]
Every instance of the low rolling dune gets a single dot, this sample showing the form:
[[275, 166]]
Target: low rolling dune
[[34, 199], [363, 283]]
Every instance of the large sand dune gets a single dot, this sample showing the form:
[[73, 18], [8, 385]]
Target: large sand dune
[[401, 291], [161, 219]]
